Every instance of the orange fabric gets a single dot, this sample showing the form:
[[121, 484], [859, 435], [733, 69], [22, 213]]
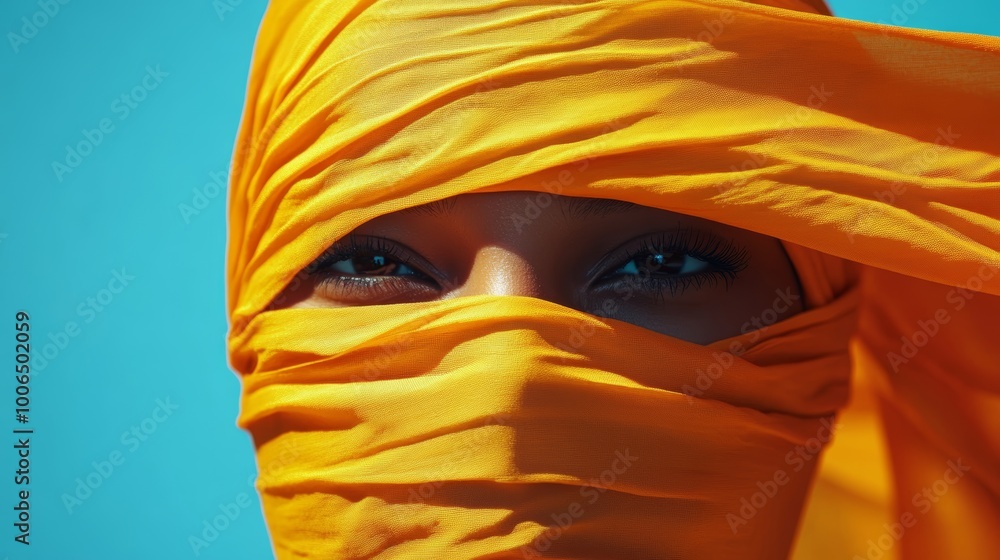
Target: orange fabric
[[508, 427]]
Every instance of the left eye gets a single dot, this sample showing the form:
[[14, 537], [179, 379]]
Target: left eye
[[372, 265], [673, 264]]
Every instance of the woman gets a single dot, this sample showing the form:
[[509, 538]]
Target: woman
[[455, 343]]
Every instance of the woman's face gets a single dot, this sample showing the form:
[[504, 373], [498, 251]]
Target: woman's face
[[682, 276]]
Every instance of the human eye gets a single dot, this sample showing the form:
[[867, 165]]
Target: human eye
[[672, 262], [362, 269]]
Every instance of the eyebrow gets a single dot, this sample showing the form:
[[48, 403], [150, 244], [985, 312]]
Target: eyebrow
[[575, 207]]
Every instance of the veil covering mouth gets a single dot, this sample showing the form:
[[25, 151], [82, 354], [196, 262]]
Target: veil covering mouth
[[511, 427]]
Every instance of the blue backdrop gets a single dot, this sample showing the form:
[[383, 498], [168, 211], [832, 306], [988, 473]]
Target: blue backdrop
[[119, 123]]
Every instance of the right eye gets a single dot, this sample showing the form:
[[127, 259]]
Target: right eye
[[368, 270], [377, 264]]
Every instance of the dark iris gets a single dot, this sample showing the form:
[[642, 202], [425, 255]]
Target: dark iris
[[662, 263], [372, 265]]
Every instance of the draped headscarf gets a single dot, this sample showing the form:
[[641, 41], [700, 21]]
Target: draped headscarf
[[510, 427]]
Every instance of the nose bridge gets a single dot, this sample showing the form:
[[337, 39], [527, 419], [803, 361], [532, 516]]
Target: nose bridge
[[502, 271]]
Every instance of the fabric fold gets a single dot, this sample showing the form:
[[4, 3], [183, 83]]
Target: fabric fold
[[452, 421]]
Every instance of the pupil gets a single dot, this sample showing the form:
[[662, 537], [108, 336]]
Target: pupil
[[669, 263], [375, 265]]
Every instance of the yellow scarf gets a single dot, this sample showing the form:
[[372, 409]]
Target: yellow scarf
[[508, 427]]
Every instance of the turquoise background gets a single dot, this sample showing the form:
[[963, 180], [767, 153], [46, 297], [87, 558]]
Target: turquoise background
[[160, 338]]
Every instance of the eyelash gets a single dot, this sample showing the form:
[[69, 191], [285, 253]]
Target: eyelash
[[725, 257], [361, 287]]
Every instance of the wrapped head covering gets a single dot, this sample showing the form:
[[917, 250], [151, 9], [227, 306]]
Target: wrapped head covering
[[506, 427]]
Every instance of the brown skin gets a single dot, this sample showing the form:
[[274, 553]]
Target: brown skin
[[617, 261]]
